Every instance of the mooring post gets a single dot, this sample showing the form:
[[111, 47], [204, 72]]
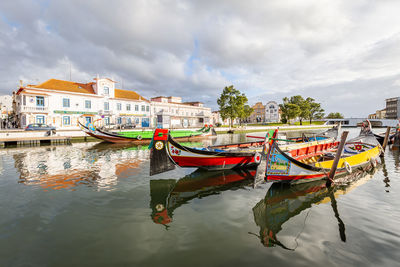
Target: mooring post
[[337, 158], [386, 140]]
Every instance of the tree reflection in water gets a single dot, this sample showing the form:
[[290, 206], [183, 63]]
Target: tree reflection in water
[[284, 201]]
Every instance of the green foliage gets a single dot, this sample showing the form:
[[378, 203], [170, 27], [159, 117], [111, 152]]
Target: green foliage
[[245, 112], [290, 110], [232, 104], [335, 115], [315, 110], [298, 107]]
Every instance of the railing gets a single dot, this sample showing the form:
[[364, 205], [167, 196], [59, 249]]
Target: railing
[[34, 109]]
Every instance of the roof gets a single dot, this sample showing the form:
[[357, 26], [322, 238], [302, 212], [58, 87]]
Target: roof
[[59, 85], [194, 102], [32, 92], [126, 94]]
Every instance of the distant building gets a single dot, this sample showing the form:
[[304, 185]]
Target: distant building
[[379, 114], [216, 118], [61, 103], [272, 112], [5, 106], [393, 108], [171, 112], [258, 114]]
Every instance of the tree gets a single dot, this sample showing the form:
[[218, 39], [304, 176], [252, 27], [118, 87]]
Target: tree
[[231, 104], [316, 112], [304, 106], [289, 109], [245, 113], [335, 115]]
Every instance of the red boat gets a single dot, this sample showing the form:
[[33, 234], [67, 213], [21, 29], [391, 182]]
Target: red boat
[[165, 153]]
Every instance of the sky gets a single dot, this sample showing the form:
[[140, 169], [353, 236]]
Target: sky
[[344, 54]]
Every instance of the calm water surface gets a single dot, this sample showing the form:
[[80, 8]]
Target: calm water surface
[[94, 204]]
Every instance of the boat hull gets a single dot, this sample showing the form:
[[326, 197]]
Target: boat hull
[[115, 138], [284, 168]]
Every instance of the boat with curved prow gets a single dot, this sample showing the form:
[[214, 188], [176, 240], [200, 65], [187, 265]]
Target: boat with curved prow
[[166, 153], [144, 137], [359, 152]]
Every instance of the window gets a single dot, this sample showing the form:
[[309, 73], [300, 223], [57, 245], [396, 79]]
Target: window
[[24, 100], [128, 106], [119, 106], [106, 106], [66, 102], [39, 119], [147, 108], [107, 120], [106, 90], [143, 108], [136, 108], [88, 104], [66, 120], [119, 120], [40, 101]]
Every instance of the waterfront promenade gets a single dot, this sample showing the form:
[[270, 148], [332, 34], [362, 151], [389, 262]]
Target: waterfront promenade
[[16, 134]]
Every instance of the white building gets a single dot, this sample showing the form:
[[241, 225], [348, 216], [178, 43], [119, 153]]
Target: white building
[[61, 103], [272, 112], [5, 106], [170, 112]]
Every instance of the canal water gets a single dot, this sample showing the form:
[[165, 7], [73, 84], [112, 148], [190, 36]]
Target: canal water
[[94, 204]]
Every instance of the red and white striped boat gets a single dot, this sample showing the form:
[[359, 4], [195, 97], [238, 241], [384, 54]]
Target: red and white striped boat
[[166, 153]]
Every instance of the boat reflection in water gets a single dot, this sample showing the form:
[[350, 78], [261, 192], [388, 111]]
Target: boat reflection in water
[[99, 165], [169, 194], [284, 201]]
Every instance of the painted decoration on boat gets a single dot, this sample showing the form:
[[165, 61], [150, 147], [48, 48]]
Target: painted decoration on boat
[[278, 164], [357, 148]]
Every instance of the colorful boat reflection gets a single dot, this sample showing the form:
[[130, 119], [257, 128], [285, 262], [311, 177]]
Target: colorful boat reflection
[[169, 194], [284, 201]]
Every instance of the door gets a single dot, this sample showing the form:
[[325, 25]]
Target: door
[[88, 120], [145, 122]]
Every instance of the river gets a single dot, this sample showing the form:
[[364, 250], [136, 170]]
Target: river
[[94, 204]]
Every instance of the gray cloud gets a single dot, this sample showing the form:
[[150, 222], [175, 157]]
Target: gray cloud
[[193, 49]]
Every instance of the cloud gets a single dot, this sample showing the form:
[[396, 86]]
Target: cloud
[[193, 49]]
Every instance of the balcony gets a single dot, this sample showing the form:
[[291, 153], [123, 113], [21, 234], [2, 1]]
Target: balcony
[[34, 109]]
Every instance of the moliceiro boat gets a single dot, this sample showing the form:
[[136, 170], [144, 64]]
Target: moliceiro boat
[[166, 153], [144, 137], [325, 137], [360, 152]]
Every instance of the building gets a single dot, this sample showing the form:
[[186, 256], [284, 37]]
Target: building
[[258, 114], [379, 114], [272, 112], [61, 103], [392, 108], [5, 106], [171, 112], [216, 118]]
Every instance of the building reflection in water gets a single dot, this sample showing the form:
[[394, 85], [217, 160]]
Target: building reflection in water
[[66, 167], [284, 201], [168, 195]]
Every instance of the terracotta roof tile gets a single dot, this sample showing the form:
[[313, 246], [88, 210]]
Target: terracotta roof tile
[[59, 85], [126, 94]]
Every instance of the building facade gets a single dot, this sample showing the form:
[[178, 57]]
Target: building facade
[[171, 112], [258, 114], [61, 103], [272, 112], [392, 108]]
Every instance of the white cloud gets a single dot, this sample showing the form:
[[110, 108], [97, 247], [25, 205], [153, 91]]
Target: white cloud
[[267, 49]]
